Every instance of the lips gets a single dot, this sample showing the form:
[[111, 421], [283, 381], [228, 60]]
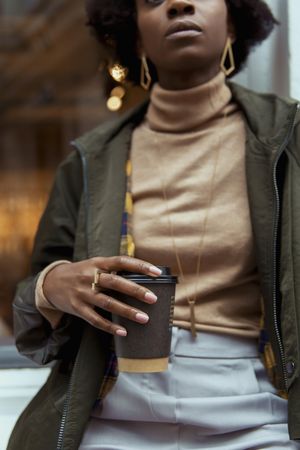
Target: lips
[[181, 26]]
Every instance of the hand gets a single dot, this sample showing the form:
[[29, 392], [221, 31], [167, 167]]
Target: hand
[[69, 288]]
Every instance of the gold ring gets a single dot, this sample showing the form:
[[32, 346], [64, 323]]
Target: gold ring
[[96, 287]]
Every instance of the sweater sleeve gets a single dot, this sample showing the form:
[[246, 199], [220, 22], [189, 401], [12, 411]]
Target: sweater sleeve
[[45, 307]]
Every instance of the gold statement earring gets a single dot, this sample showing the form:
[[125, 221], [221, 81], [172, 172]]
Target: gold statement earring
[[118, 73], [146, 79], [228, 57]]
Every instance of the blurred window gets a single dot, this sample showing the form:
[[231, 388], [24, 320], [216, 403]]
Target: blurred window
[[50, 92]]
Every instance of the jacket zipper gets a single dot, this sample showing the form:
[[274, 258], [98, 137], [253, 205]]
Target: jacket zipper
[[275, 239], [61, 432], [60, 439]]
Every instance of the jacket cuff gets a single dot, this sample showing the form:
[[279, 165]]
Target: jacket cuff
[[44, 306]]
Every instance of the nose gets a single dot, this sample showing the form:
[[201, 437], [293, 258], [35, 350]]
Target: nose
[[180, 7]]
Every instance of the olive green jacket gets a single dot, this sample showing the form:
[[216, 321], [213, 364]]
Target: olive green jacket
[[83, 219]]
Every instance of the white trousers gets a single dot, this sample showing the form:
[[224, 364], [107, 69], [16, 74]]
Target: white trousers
[[215, 395]]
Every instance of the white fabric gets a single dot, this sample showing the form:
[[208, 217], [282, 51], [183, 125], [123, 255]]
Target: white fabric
[[275, 65], [215, 396]]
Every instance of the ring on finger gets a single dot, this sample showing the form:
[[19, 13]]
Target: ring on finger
[[96, 286]]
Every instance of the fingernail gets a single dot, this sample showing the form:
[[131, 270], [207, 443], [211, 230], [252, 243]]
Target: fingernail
[[122, 333], [155, 270], [142, 318], [151, 297]]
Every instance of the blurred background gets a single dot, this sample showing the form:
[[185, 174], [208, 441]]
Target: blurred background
[[51, 91], [53, 87]]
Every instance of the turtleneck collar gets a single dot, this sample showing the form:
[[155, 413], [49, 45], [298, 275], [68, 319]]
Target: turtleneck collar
[[189, 109]]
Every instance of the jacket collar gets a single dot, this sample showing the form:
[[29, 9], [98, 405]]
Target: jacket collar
[[268, 120]]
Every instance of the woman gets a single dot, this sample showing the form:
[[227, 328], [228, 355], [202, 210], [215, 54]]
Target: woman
[[214, 183]]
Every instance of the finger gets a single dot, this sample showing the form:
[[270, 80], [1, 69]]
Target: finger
[[98, 321], [116, 283], [126, 263], [113, 306]]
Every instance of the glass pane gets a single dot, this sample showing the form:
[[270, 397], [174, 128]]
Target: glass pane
[[51, 92]]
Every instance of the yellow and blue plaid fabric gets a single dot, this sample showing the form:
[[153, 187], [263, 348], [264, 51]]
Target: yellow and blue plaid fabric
[[127, 244], [126, 248]]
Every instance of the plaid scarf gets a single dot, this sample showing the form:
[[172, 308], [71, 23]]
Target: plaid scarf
[[127, 248]]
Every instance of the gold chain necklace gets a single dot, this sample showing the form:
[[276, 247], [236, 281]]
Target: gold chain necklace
[[191, 299]]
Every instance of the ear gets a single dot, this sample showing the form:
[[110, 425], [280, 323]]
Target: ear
[[231, 29]]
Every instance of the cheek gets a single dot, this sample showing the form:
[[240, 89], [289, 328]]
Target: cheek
[[148, 36], [217, 31]]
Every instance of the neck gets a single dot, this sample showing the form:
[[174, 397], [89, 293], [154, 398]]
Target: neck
[[185, 79]]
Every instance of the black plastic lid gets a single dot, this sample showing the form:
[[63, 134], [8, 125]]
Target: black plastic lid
[[165, 277]]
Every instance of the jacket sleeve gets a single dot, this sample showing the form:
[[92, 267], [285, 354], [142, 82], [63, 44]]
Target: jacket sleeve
[[54, 241]]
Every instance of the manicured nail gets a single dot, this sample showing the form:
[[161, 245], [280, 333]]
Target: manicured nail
[[155, 270], [122, 333], [151, 297], [142, 318]]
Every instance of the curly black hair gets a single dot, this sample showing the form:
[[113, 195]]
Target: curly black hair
[[114, 24]]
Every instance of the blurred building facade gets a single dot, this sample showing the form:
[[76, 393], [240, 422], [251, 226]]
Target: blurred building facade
[[53, 83], [50, 92]]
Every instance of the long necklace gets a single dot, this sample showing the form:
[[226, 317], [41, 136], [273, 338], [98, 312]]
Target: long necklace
[[191, 299]]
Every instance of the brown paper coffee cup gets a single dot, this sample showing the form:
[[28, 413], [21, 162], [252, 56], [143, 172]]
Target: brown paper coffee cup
[[146, 348]]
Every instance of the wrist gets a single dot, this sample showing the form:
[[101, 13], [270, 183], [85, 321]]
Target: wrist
[[42, 299]]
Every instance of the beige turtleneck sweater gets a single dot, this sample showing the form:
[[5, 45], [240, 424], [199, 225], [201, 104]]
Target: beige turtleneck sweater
[[183, 140], [192, 142]]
